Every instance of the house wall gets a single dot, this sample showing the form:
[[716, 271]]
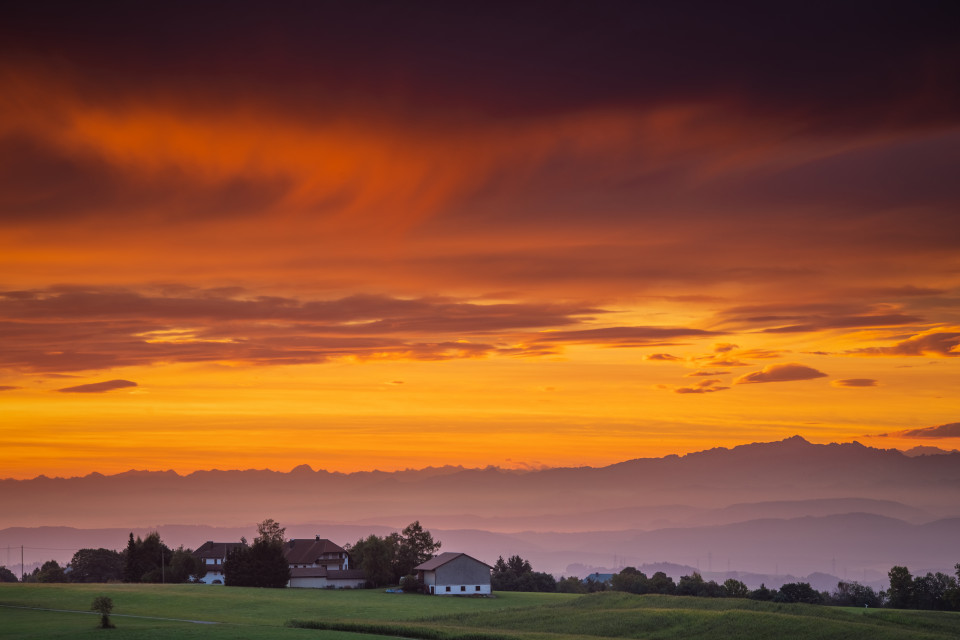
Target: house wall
[[460, 576], [307, 583], [325, 583], [463, 570], [213, 574]]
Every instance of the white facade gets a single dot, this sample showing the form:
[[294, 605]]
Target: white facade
[[214, 573], [455, 574]]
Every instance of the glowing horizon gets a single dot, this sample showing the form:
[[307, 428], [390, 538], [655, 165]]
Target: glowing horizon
[[397, 249]]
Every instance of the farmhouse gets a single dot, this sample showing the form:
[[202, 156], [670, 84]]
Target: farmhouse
[[320, 564], [304, 553], [454, 574], [212, 555]]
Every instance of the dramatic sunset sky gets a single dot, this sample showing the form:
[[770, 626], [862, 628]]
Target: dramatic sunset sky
[[366, 235]]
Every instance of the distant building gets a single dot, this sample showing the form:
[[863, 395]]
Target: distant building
[[212, 555], [323, 578], [599, 577], [306, 553], [450, 574], [320, 564]]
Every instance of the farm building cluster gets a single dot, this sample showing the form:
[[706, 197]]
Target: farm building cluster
[[322, 564]]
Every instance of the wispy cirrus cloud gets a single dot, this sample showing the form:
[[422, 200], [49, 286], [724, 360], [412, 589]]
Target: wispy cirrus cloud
[[813, 317], [99, 387], [854, 383], [949, 430], [645, 336]]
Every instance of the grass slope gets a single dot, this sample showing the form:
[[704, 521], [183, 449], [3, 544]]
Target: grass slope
[[359, 615]]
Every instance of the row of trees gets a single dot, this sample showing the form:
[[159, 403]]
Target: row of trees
[[143, 560], [516, 574], [390, 559], [932, 591]]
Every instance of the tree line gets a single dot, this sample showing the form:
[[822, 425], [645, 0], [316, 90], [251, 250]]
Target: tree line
[[936, 591], [143, 560]]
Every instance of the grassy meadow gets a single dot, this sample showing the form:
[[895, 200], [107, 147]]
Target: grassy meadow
[[253, 614]]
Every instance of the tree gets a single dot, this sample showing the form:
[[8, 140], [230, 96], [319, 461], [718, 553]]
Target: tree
[[96, 565], [733, 588], [516, 574], [931, 591], [900, 594], [798, 592], [762, 593], [261, 564], [691, 585], [571, 584], [184, 566], [661, 583], [630, 580], [145, 560], [6, 575], [375, 556], [51, 572], [953, 594], [104, 606], [853, 594], [416, 546], [270, 531]]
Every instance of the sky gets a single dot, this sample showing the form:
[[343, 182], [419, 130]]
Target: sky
[[381, 235]]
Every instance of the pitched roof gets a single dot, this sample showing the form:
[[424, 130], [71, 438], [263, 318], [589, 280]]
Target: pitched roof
[[211, 549], [307, 550], [442, 559]]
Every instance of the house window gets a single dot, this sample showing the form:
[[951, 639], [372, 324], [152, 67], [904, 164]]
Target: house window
[[463, 588], [448, 588], [477, 588]]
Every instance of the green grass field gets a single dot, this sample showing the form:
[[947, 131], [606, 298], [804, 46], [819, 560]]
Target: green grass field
[[357, 615]]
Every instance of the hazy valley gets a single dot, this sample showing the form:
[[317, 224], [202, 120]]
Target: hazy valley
[[766, 512]]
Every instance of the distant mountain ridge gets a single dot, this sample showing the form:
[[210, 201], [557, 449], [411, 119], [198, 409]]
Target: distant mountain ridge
[[632, 493]]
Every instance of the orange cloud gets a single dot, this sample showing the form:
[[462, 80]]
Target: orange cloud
[[704, 386], [662, 357], [99, 387], [945, 344], [788, 372], [854, 382], [951, 430]]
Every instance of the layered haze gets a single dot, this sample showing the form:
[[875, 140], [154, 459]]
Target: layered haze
[[765, 511]]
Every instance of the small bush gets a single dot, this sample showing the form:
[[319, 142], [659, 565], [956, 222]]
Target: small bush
[[104, 606]]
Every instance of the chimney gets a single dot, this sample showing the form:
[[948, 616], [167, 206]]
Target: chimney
[[318, 538]]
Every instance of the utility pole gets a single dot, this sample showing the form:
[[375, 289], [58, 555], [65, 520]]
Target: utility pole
[[21, 563]]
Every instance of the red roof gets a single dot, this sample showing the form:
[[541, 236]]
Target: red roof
[[307, 551], [210, 549]]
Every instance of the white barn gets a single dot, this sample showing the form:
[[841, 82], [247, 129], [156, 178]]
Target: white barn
[[454, 574]]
